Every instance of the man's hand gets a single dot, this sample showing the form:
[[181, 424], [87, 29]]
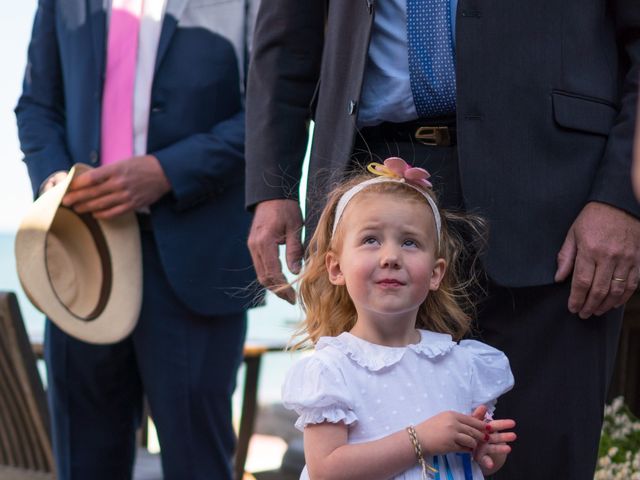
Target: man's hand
[[276, 222], [602, 249], [117, 188]]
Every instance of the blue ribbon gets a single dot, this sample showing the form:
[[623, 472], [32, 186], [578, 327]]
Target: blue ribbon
[[447, 468], [466, 465]]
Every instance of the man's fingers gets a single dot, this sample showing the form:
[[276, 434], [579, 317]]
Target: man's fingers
[[276, 222], [294, 250], [293, 231], [580, 283], [617, 290], [566, 257], [267, 232], [599, 290], [267, 263], [112, 212], [270, 276], [273, 278], [84, 194], [631, 285], [602, 265], [90, 178], [102, 203]]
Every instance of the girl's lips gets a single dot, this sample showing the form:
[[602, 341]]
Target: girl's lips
[[390, 282]]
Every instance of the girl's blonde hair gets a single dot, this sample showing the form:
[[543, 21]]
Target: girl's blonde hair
[[328, 308]]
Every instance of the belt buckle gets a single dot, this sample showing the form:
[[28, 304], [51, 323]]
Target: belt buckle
[[434, 136]]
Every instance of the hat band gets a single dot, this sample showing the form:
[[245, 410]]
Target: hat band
[[96, 235]]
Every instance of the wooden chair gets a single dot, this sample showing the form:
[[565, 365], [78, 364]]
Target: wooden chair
[[253, 353], [25, 440]]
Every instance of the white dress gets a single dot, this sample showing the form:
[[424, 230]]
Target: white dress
[[377, 390]]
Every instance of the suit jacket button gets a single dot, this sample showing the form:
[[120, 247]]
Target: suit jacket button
[[93, 157]]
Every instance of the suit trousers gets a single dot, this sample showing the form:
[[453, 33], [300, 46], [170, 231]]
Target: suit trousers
[[562, 364], [186, 365]]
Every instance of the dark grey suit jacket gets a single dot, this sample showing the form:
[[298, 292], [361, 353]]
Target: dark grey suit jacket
[[546, 102]]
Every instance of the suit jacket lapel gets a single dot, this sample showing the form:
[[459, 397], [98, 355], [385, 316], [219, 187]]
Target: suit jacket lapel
[[172, 14], [97, 18]]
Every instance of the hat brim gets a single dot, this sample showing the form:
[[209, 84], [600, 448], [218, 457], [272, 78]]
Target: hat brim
[[119, 312]]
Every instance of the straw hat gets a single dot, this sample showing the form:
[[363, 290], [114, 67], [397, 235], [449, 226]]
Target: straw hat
[[85, 274]]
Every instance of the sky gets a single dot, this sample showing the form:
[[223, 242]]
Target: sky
[[15, 190]]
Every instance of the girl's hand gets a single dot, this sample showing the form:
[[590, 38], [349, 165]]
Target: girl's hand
[[492, 453], [450, 432]]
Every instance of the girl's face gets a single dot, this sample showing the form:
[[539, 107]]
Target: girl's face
[[387, 258]]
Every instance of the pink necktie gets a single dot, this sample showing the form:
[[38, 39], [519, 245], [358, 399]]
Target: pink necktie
[[117, 98]]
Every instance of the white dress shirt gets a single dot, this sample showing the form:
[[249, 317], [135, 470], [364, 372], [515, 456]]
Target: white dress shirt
[[150, 28]]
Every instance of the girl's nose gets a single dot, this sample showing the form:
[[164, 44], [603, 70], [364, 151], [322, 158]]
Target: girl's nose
[[389, 258]]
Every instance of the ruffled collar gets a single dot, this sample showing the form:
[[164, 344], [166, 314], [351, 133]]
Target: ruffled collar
[[376, 357]]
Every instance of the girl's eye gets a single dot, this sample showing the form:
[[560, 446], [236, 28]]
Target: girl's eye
[[369, 241], [409, 243]]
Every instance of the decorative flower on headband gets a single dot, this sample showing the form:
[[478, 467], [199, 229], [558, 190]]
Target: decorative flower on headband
[[395, 167]]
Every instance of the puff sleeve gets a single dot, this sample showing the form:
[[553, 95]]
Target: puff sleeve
[[318, 392], [490, 373]]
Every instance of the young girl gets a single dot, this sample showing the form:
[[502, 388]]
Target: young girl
[[388, 392]]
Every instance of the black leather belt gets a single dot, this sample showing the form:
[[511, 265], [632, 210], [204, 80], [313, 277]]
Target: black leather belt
[[432, 132]]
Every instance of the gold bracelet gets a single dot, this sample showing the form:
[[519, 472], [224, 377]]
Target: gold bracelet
[[413, 435]]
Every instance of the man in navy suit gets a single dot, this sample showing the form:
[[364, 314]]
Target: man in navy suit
[[180, 167]]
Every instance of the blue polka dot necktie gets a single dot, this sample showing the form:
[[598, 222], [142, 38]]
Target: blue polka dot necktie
[[431, 57]]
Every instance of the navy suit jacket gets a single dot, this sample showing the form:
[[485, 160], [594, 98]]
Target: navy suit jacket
[[196, 130]]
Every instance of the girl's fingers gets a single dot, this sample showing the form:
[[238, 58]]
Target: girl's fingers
[[480, 411], [495, 448], [465, 441], [486, 461], [472, 422], [502, 437], [479, 436], [498, 425]]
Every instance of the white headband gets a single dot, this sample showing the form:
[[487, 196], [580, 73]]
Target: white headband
[[353, 191]]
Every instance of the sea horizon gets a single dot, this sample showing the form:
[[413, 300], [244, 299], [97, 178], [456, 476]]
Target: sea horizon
[[272, 323]]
